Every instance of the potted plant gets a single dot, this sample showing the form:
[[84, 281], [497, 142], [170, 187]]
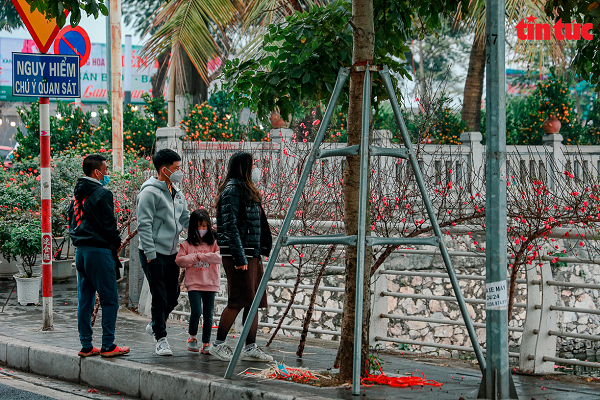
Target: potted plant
[[61, 262], [8, 263], [25, 243]]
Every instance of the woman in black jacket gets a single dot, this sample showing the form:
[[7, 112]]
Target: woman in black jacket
[[239, 238]]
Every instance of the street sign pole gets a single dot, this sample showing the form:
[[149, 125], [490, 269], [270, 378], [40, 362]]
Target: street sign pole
[[43, 76], [47, 80], [43, 32], [46, 191]]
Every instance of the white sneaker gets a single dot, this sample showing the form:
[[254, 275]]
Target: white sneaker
[[150, 331], [162, 348], [255, 354], [221, 351]]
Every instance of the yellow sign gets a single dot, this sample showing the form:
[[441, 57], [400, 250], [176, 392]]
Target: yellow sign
[[42, 31]]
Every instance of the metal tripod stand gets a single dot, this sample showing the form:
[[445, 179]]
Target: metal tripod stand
[[361, 240]]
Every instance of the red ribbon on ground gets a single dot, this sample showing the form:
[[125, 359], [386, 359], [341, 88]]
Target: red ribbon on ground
[[396, 381], [289, 374]]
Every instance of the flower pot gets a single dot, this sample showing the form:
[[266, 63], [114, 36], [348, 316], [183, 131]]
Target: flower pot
[[551, 125], [62, 269], [8, 269], [124, 261], [28, 289], [277, 122]]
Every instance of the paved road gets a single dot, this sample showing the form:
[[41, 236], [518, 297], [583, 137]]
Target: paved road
[[15, 393], [17, 385]]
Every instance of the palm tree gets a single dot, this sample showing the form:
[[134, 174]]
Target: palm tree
[[516, 10], [199, 33]]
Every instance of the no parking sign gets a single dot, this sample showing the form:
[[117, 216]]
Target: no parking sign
[[73, 41]]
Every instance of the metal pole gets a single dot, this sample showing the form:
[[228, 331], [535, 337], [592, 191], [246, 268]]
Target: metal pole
[[361, 237], [46, 191], [432, 217], [171, 92], [497, 373], [116, 93], [108, 49], [127, 80], [341, 79]]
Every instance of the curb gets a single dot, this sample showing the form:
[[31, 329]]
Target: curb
[[133, 378]]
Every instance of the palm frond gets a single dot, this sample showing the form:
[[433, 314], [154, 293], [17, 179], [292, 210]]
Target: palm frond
[[193, 26], [266, 12], [260, 14]]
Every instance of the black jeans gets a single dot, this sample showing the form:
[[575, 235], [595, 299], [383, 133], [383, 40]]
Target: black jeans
[[197, 300], [163, 277]]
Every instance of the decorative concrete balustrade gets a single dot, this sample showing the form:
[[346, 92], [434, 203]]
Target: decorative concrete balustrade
[[452, 163]]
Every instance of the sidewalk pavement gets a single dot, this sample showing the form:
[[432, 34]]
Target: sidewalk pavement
[[187, 375]]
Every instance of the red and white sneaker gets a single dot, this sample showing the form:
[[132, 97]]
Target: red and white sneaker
[[94, 352], [205, 349], [117, 351], [192, 344]]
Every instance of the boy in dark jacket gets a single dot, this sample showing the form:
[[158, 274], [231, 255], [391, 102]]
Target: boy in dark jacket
[[93, 229]]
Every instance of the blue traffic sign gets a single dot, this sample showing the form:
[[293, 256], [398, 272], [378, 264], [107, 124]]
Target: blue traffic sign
[[45, 75]]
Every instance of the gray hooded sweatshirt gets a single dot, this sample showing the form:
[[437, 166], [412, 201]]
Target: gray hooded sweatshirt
[[161, 218]]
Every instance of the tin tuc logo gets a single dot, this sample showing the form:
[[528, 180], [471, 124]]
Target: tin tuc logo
[[562, 31]]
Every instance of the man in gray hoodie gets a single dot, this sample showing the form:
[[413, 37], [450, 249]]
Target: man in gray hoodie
[[162, 214]]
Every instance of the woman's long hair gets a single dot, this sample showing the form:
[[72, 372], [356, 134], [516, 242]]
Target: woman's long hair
[[240, 168], [197, 217]]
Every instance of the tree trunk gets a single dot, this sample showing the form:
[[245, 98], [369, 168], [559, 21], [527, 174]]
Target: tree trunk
[[158, 79], [289, 306], [363, 49], [471, 112], [311, 304], [190, 87], [423, 95]]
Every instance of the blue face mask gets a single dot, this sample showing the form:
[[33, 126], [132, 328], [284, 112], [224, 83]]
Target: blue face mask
[[105, 180]]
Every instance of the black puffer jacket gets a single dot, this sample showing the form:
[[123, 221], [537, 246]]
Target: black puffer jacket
[[238, 224]]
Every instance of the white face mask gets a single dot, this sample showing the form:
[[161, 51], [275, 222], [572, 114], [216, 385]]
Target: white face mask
[[256, 176], [176, 176], [202, 232]]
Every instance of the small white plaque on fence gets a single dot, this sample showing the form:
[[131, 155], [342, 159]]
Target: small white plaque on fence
[[495, 296]]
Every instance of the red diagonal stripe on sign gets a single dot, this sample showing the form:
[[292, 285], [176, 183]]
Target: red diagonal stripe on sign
[[71, 46]]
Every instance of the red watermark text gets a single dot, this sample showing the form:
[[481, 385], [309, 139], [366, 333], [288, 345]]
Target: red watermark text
[[561, 31]]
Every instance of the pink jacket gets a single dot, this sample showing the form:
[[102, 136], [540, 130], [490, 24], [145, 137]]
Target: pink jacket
[[202, 263]]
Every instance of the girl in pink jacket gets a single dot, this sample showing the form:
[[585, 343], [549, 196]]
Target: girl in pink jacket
[[201, 257]]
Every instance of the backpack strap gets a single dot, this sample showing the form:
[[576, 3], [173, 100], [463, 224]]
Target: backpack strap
[[78, 209]]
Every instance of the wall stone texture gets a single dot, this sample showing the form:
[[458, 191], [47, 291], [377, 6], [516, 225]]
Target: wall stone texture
[[435, 309]]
